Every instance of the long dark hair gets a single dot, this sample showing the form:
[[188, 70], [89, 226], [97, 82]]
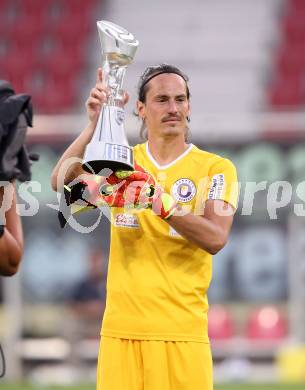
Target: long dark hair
[[150, 73]]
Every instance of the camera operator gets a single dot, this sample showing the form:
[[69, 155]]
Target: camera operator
[[15, 116]]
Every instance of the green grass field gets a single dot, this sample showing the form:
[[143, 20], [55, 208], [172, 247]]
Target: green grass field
[[217, 387]]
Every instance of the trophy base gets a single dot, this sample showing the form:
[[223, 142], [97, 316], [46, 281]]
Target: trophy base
[[96, 167], [104, 155]]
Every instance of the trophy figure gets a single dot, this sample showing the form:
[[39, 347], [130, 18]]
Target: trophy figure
[[109, 147]]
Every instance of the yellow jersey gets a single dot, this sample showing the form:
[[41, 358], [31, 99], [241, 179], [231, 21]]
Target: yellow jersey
[[157, 280]]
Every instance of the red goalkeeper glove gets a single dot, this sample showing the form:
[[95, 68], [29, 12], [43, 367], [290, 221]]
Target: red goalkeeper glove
[[131, 189], [137, 189]]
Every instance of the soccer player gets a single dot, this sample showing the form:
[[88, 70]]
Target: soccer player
[[154, 331]]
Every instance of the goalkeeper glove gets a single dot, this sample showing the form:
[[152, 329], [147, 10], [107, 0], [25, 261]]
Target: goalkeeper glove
[[137, 189], [131, 189]]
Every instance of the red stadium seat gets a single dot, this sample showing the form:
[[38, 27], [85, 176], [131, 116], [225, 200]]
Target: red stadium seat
[[69, 11], [17, 66], [55, 97], [297, 6], [287, 92], [266, 323], [220, 323], [52, 103], [79, 7], [63, 65], [34, 8], [67, 27], [294, 27], [3, 6], [8, 11], [291, 59], [57, 102], [5, 41], [27, 32], [42, 48]]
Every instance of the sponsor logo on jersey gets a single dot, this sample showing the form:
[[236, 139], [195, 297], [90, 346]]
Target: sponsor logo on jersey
[[217, 186], [183, 190], [126, 220]]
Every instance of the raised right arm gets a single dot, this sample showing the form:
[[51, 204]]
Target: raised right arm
[[66, 170]]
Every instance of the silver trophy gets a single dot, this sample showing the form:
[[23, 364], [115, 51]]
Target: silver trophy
[[109, 147]]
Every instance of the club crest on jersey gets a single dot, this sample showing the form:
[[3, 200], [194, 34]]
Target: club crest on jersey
[[183, 190]]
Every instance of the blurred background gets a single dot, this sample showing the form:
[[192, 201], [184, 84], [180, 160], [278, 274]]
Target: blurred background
[[246, 64]]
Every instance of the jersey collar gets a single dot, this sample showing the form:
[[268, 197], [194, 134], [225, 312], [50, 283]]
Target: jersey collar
[[172, 162]]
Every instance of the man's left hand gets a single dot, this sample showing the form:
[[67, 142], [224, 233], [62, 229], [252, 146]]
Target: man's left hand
[[137, 189]]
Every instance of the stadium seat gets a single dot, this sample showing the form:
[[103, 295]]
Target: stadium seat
[[5, 41], [80, 7], [49, 95], [3, 8], [17, 67], [63, 66], [66, 27], [287, 93], [290, 59], [3, 4], [35, 84], [8, 12], [34, 8], [297, 6], [287, 90], [24, 37], [220, 323], [58, 96], [42, 44], [294, 27], [70, 13], [266, 323]]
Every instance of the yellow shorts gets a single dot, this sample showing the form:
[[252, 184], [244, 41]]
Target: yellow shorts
[[153, 365]]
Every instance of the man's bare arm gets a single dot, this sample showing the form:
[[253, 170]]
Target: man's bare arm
[[209, 231], [98, 96], [66, 167], [73, 169], [11, 242]]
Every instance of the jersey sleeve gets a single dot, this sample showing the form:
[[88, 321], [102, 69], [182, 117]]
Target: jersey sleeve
[[223, 184]]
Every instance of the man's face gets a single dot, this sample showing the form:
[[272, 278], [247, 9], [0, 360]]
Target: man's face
[[167, 107]]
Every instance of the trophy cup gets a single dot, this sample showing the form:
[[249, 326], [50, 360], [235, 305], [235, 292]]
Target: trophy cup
[[109, 147]]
